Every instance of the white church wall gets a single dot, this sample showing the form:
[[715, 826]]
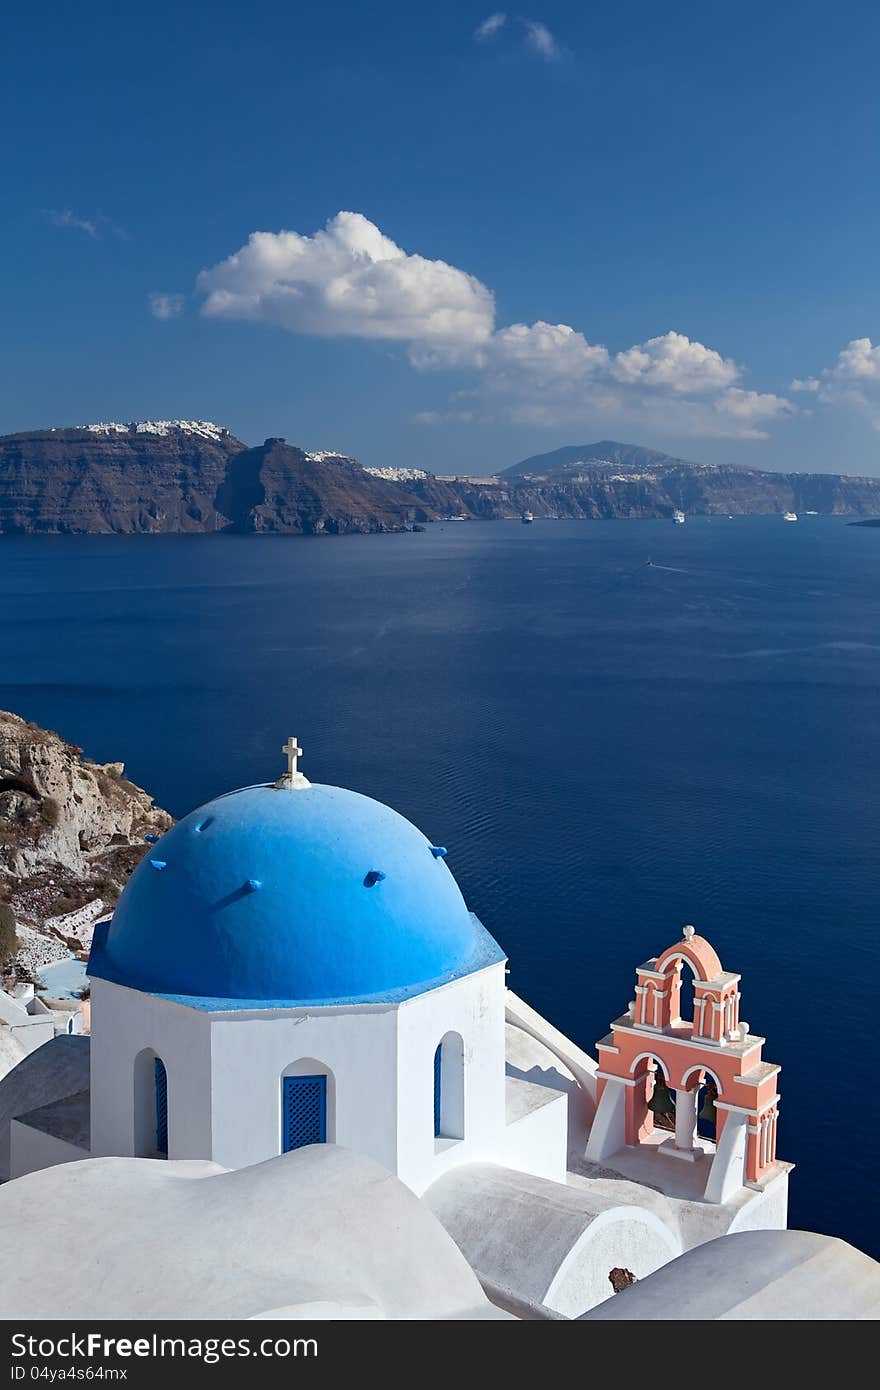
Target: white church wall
[[472, 1008], [529, 1059], [224, 1076], [126, 1023], [727, 1173], [550, 1243], [766, 1210], [578, 1063], [536, 1134], [635, 1240], [33, 1032], [250, 1053], [32, 1149], [608, 1131]]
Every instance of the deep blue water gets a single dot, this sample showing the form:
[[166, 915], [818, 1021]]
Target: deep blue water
[[608, 749]]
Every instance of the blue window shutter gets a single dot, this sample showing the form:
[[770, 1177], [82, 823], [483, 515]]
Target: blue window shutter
[[438, 1088], [161, 1077], [303, 1111]]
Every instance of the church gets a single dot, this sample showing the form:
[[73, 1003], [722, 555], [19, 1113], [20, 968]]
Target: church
[[292, 996]]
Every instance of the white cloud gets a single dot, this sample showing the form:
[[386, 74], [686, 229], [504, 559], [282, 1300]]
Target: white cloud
[[535, 35], [96, 227], [853, 381], [490, 27], [749, 411], [809, 383], [66, 218], [444, 417], [166, 306], [858, 362], [348, 281], [673, 362], [541, 41], [550, 374]]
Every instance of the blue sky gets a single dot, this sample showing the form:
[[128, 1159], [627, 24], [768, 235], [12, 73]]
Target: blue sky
[[638, 221]]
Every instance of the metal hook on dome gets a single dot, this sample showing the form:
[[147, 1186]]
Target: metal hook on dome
[[439, 851], [373, 877]]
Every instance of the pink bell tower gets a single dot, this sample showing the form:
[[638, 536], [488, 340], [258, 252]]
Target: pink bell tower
[[652, 1048]]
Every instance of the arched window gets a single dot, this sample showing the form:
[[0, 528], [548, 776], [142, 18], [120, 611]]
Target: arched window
[[307, 1105], [150, 1099], [438, 1087], [687, 977], [161, 1086], [449, 1088]]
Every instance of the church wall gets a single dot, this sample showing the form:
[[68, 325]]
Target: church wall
[[764, 1211], [250, 1053], [537, 1142], [32, 1149], [634, 1240], [33, 1033], [550, 1242], [124, 1023], [473, 1007]]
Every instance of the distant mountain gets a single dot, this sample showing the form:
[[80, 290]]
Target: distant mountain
[[610, 479], [192, 476], [626, 457]]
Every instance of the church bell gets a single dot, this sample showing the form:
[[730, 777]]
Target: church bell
[[707, 1109], [661, 1102]]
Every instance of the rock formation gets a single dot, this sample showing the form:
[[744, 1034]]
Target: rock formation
[[106, 478], [71, 832], [614, 479], [195, 477], [280, 488]]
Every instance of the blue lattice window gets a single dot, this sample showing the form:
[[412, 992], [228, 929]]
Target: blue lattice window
[[438, 1090], [161, 1081], [303, 1111]]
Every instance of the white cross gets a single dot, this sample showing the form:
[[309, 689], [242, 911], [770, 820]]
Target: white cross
[[292, 751]]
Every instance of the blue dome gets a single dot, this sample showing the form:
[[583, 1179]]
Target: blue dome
[[271, 896]]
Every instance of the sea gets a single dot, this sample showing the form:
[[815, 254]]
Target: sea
[[616, 728]]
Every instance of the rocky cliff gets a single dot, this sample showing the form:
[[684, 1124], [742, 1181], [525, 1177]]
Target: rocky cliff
[[154, 476], [280, 488], [183, 476], [71, 831], [613, 479], [192, 476], [698, 489]]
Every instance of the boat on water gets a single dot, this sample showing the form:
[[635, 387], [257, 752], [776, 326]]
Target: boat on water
[[678, 517], [527, 518], [790, 516], [811, 513]]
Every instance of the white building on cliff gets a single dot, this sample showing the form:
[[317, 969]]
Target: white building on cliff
[[293, 965]]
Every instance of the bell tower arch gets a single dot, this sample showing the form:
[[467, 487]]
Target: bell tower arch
[[660, 1072]]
